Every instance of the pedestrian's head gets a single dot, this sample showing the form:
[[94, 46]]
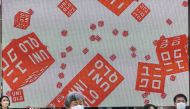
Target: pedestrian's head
[[180, 101], [149, 106], [74, 100], [4, 102]]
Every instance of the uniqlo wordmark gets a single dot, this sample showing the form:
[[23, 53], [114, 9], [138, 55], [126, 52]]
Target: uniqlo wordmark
[[22, 19], [172, 55], [67, 7], [24, 60], [96, 81], [17, 95], [140, 12]]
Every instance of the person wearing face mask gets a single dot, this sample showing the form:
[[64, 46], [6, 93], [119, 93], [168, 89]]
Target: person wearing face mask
[[5, 102], [74, 100], [180, 101]]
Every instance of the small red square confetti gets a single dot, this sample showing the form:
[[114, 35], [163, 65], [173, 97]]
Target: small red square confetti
[[63, 66], [145, 95], [146, 101], [100, 23], [64, 33], [92, 26], [59, 85], [147, 57], [61, 75], [133, 55], [85, 50], [163, 95], [125, 33], [113, 57], [169, 21], [98, 38], [92, 38], [63, 54], [69, 49], [133, 49], [115, 32], [172, 77]]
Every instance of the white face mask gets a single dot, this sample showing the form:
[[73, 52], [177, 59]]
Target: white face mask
[[78, 107], [181, 105], [5, 103]]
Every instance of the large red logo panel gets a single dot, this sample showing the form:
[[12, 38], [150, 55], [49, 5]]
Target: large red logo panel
[[25, 60], [95, 81]]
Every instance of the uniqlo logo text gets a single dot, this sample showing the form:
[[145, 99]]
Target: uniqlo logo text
[[24, 60], [140, 12], [95, 81], [17, 95], [22, 20], [172, 55], [150, 78], [67, 7]]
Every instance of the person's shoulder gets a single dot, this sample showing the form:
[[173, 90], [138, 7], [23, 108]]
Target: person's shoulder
[[187, 107]]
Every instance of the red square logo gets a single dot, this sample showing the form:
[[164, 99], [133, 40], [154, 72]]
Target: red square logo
[[22, 20], [150, 78], [17, 95], [140, 12], [67, 7], [172, 55], [24, 60]]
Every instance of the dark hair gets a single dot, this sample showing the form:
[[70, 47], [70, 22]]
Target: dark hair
[[147, 106], [4, 97], [180, 95], [73, 96]]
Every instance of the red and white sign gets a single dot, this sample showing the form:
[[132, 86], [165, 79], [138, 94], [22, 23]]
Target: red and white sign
[[17, 95], [150, 78], [22, 19], [67, 7], [95, 81], [24, 61], [140, 12], [172, 55]]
